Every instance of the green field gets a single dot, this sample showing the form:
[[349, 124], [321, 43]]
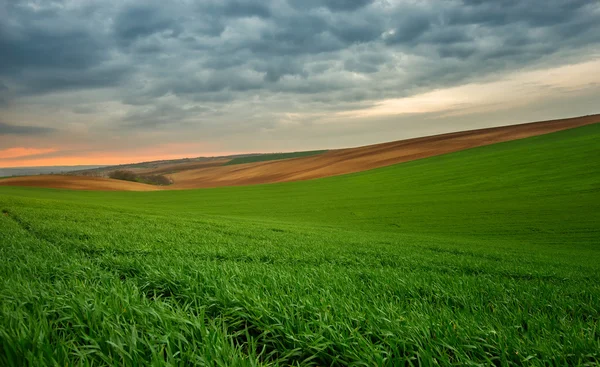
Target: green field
[[489, 256], [272, 157]]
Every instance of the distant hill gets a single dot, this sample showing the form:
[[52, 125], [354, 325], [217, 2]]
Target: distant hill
[[162, 167], [250, 169], [263, 157], [44, 170]]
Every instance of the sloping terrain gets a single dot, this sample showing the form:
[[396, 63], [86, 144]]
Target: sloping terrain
[[272, 157], [165, 169], [43, 170], [483, 257], [155, 167], [77, 183], [215, 172], [338, 162]]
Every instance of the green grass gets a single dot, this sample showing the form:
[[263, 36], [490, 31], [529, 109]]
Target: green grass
[[489, 256], [272, 157]]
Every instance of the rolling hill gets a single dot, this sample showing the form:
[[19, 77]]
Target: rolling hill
[[484, 256], [270, 168], [76, 183], [343, 161]]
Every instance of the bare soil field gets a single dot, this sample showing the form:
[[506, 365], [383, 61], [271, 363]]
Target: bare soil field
[[335, 162], [77, 183], [338, 162]]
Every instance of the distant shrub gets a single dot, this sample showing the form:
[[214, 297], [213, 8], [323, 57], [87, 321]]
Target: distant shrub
[[123, 175], [147, 179], [155, 180]]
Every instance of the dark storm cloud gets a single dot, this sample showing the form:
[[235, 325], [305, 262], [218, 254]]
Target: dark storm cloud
[[239, 8], [84, 110], [503, 12], [39, 49], [142, 21], [4, 94], [333, 5], [7, 129], [65, 80], [47, 50], [285, 53], [162, 114], [409, 25]]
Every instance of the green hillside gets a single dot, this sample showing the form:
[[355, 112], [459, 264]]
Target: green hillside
[[272, 157], [485, 256]]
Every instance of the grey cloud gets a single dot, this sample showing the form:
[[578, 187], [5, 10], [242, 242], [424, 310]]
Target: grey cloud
[[218, 62], [410, 27], [294, 55], [359, 67], [246, 9], [7, 129], [459, 51], [142, 21], [296, 35], [160, 115], [367, 62], [38, 48], [281, 67], [5, 94], [60, 153], [85, 110], [66, 80], [350, 30], [547, 13], [333, 5], [51, 49], [447, 35], [211, 83]]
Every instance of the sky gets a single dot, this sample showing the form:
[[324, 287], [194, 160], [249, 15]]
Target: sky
[[113, 81]]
